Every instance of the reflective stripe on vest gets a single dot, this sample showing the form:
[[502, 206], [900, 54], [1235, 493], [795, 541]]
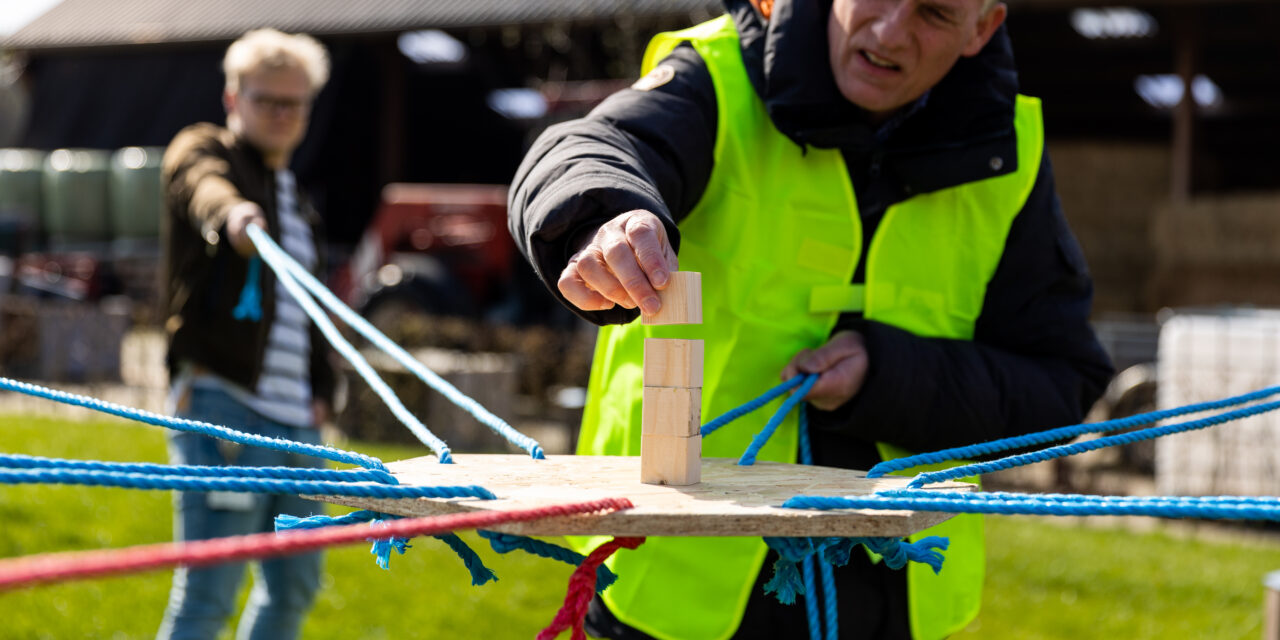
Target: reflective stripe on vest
[[777, 237]]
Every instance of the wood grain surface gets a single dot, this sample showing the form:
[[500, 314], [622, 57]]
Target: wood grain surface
[[729, 501]]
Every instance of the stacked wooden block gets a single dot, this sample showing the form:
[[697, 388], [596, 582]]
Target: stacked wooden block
[[670, 440]]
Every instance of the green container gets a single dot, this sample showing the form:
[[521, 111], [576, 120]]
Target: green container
[[21, 171], [136, 193], [75, 195]]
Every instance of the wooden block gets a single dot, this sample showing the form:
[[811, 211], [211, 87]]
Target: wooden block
[[672, 363], [670, 460], [671, 411], [681, 300]]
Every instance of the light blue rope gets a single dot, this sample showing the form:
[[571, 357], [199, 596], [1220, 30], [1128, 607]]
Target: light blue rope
[[1211, 508], [280, 261], [1080, 447], [738, 412], [204, 428], [18, 461], [250, 305], [271, 254], [749, 456], [1060, 433], [245, 485], [506, 543]]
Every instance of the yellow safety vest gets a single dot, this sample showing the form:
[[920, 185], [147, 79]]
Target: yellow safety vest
[[777, 237]]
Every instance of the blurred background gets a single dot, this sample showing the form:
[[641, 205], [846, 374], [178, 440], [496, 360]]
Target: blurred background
[[1160, 119], [1162, 128]]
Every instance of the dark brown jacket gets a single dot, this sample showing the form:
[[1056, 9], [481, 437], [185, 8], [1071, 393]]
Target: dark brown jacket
[[207, 170]]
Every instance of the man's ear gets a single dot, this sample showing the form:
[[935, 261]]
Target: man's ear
[[228, 101], [987, 25]]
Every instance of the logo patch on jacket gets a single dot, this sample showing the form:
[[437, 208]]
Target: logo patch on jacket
[[660, 75]]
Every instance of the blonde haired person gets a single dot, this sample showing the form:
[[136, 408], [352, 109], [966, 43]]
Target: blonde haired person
[[260, 368]]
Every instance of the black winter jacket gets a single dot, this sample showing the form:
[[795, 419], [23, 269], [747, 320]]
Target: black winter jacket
[[1034, 362]]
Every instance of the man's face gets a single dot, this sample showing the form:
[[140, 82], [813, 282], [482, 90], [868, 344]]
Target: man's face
[[272, 108], [887, 53]]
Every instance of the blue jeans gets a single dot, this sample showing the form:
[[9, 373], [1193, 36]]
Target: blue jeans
[[202, 599]]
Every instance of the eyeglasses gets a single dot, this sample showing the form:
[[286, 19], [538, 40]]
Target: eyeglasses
[[287, 105]]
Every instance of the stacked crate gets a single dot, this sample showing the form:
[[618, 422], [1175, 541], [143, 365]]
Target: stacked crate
[[670, 440]]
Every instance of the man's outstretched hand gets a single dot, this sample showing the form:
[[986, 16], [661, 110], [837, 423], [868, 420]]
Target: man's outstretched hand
[[238, 220], [842, 365], [625, 263]]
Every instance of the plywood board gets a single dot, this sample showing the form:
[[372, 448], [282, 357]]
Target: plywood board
[[730, 501]]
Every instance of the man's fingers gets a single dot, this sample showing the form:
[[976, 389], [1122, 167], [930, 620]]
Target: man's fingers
[[622, 261], [648, 241], [600, 278], [793, 368], [843, 345], [576, 291], [839, 383]]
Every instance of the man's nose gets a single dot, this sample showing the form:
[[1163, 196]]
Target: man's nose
[[892, 28]]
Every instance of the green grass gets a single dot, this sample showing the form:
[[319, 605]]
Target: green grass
[[1044, 580]]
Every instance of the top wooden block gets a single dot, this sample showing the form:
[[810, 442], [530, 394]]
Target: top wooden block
[[681, 300]]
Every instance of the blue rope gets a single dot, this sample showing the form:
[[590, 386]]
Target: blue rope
[[749, 456], [246, 485], [1060, 433], [811, 599], [271, 254], [831, 617], [17, 461], [1209, 508], [280, 261], [734, 414], [382, 547], [250, 305], [506, 543], [1079, 447], [204, 428]]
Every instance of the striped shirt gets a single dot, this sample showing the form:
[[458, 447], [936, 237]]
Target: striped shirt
[[283, 393]]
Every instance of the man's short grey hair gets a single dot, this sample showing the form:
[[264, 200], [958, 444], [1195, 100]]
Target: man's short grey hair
[[269, 50]]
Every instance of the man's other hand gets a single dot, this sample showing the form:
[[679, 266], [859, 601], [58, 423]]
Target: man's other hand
[[238, 221], [625, 262], [842, 365]]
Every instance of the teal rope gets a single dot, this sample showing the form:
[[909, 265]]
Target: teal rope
[[250, 305], [1060, 433], [480, 574], [1080, 447], [270, 252], [506, 543], [279, 261], [192, 426]]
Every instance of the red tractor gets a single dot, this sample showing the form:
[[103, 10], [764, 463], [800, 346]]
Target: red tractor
[[433, 248]]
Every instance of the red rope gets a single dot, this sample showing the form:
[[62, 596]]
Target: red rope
[[582, 586], [58, 567]]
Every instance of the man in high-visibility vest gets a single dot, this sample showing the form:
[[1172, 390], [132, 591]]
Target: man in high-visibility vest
[[868, 198]]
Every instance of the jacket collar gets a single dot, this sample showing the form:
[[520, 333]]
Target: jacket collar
[[952, 137]]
